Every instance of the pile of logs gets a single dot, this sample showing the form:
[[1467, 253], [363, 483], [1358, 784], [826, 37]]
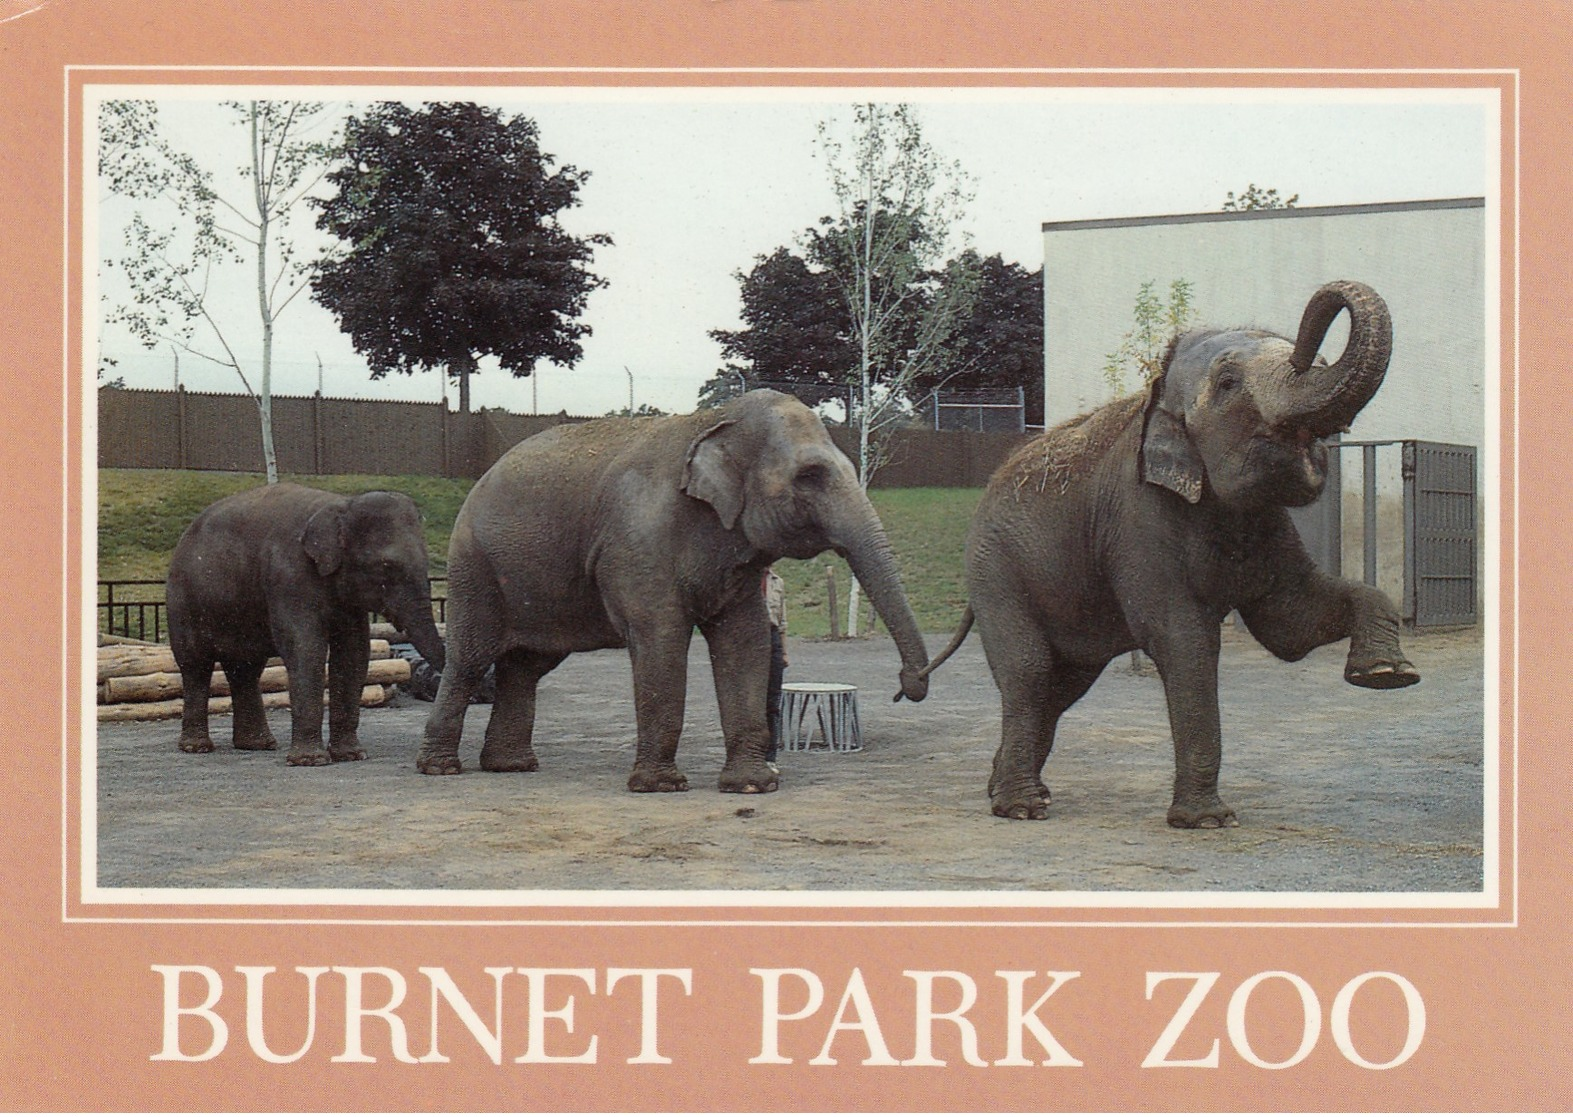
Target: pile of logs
[[140, 682]]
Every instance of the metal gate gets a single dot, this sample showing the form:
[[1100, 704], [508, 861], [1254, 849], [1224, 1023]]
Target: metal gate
[[1441, 535]]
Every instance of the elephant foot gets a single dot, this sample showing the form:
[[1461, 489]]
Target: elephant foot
[[657, 777], [1380, 674], [196, 744], [748, 778], [1214, 814], [438, 764], [1021, 800], [496, 760], [309, 758], [346, 754]]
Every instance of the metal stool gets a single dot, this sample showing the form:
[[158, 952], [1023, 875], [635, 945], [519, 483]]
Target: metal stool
[[829, 708]]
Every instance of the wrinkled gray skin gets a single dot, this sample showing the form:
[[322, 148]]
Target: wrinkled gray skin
[[290, 571], [1144, 523], [631, 533]]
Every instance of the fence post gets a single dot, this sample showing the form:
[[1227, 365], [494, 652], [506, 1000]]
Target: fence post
[[316, 432], [180, 424], [442, 418], [1368, 468]]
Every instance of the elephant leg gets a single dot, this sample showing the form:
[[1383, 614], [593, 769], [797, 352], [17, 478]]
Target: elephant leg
[[512, 724], [1307, 608], [1063, 686], [740, 663], [1186, 656], [349, 653], [195, 686], [660, 668], [1023, 667], [250, 721], [306, 657], [461, 678]]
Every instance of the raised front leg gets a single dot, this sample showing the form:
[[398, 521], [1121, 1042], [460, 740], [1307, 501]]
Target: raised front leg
[[508, 745], [349, 653], [1301, 609], [660, 665], [250, 726], [1187, 659], [739, 644]]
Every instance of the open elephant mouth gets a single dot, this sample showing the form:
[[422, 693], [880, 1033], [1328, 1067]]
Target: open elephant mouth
[[1290, 460]]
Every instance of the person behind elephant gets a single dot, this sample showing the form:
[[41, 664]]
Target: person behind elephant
[[284, 570], [631, 533], [1144, 523], [775, 607]]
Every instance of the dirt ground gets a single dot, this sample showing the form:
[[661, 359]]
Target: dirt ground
[[1338, 789]]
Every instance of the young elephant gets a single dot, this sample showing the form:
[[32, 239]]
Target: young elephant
[[631, 533], [1144, 523], [290, 571]]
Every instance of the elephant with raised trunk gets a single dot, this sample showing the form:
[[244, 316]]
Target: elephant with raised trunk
[[294, 572], [1142, 524], [631, 533]]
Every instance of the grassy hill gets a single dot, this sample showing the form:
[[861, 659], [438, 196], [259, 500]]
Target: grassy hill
[[141, 513]]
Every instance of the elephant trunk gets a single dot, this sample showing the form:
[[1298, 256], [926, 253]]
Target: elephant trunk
[[412, 614], [861, 539], [1326, 398]]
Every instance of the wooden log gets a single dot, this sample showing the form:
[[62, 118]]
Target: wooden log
[[119, 661], [374, 695], [382, 630], [165, 685]]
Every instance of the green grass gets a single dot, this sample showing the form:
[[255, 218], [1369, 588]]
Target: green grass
[[141, 513]]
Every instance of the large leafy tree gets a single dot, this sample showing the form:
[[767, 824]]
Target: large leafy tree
[[452, 248], [796, 330], [998, 345]]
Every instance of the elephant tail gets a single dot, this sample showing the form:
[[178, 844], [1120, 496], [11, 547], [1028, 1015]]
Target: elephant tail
[[950, 649]]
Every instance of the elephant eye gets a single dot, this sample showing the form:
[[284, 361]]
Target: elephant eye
[[1228, 380], [813, 478]]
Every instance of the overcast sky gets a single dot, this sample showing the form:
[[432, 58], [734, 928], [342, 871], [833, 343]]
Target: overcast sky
[[694, 185]]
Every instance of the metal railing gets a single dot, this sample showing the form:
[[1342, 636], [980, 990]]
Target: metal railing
[[135, 607]]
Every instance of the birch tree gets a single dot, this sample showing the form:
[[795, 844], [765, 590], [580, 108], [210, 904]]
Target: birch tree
[[192, 223], [900, 208]]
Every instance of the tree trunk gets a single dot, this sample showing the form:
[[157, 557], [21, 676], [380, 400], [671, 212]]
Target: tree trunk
[[265, 387], [460, 369]]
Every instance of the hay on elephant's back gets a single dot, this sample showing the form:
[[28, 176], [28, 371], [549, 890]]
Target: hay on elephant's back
[[1060, 453]]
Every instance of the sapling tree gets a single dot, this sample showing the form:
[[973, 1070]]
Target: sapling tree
[[190, 223], [1155, 319]]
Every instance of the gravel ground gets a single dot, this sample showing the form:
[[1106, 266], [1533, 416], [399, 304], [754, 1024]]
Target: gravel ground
[[1338, 789]]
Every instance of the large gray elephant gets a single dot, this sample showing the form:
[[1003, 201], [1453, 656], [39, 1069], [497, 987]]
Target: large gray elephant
[[631, 533], [1142, 524], [294, 572]]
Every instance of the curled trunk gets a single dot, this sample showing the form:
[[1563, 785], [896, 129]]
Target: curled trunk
[[1326, 397]]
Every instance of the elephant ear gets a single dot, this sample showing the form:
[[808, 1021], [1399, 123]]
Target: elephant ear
[[711, 475], [1168, 457], [323, 540]]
